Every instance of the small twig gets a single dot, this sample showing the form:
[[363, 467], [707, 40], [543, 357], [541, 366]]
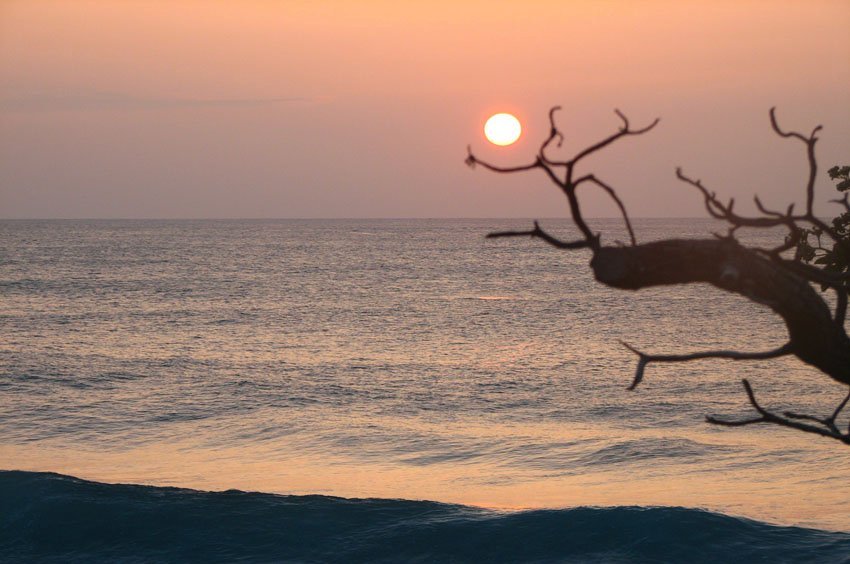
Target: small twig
[[554, 132], [790, 420], [625, 130], [766, 211], [840, 406], [843, 201], [540, 234], [828, 421], [719, 210]]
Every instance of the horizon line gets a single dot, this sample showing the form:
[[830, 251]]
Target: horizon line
[[336, 218]]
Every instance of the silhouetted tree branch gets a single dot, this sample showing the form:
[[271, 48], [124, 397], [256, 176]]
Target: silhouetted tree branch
[[763, 275], [790, 419], [540, 234], [731, 355]]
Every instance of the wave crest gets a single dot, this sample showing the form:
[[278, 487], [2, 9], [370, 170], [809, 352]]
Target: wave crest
[[54, 517]]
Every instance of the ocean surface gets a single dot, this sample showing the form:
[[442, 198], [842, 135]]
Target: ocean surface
[[397, 390]]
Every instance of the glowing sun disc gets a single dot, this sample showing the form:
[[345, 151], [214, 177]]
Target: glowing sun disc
[[502, 129]]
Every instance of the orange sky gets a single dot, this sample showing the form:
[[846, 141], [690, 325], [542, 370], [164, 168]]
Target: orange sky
[[363, 109]]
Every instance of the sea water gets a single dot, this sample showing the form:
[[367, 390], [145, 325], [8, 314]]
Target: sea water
[[414, 380]]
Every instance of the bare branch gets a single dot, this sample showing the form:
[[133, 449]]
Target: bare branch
[[645, 359], [790, 420], [840, 406], [810, 151], [613, 194], [472, 160], [718, 210], [624, 131], [779, 131], [827, 421], [567, 185], [554, 132], [766, 211], [578, 219], [539, 233]]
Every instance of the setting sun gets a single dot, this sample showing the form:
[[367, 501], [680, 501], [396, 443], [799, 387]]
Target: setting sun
[[502, 129]]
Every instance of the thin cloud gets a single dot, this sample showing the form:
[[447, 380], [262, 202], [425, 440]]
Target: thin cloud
[[97, 101]]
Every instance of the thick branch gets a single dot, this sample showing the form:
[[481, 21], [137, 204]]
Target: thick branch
[[578, 218], [813, 335], [815, 274], [731, 355], [841, 306]]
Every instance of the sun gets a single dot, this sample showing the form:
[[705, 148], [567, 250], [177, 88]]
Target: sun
[[502, 129]]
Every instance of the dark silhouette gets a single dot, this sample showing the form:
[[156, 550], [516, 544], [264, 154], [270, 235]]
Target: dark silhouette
[[816, 335], [813, 248]]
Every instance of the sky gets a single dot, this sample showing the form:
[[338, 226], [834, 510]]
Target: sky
[[267, 109]]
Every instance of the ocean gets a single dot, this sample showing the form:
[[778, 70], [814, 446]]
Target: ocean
[[389, 390]]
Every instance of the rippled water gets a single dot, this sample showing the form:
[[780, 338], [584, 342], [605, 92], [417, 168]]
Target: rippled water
[[392, 359]]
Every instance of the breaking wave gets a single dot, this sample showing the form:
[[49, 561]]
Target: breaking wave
[[50, 517]]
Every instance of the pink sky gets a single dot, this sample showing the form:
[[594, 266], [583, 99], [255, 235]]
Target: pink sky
[[364, 109]]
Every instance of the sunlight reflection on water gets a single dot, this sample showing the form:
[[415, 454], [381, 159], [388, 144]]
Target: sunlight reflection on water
[[417, 360]]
